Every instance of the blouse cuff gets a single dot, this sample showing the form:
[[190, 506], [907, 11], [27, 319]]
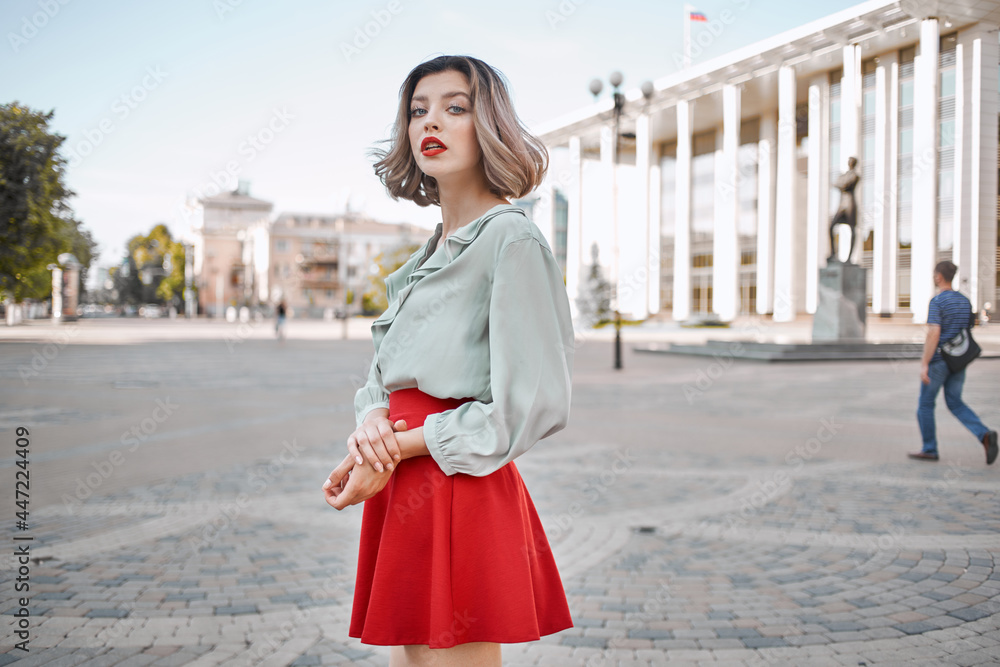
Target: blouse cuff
[[433, 443]]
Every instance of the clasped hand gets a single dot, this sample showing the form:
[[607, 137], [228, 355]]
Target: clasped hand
[[357, 479]]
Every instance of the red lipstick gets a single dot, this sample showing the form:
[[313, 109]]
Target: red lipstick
[[436, 146]]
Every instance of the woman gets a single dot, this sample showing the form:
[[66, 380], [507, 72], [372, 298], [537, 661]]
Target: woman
[[472, 367]]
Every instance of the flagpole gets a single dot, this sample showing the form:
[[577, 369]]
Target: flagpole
[[687, 35]]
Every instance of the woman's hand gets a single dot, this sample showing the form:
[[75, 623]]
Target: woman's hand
[[351, 483], [376, 440]]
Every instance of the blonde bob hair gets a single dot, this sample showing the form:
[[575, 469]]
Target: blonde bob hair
[[514, 160]]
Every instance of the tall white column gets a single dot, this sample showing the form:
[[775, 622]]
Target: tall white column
[[574, 196], [609, 169], [981, 54], [644, 275], [817, 203], [785, 265], [725, 241], [655, 222], [766, 166], [925, 170], [959, 219], [885, 197], [850, 105], [682, 211], [850, 134]]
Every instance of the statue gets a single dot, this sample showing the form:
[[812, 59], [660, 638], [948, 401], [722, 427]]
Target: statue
[[847, 211]]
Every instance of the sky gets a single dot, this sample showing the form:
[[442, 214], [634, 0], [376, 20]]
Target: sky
[[165, 101]]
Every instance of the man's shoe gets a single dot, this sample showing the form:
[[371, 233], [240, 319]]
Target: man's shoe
[[923, 456], [990, 443]]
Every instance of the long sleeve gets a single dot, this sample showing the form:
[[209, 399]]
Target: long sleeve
[[372, 395], [531, 355]]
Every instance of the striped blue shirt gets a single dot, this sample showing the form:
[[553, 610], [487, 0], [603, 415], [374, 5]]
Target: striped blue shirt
[[952, 311]]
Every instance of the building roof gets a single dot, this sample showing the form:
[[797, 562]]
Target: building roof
[[351, 223], [235, 199], [878, 25]]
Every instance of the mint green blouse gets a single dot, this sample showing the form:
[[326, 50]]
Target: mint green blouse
[[484, 316]]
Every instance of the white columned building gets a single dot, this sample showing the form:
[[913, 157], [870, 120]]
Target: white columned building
[[725, 177]]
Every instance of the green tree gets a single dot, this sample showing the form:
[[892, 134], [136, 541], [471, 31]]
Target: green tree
[[373, 301], [36, 222], [155, 270], [126, 282]]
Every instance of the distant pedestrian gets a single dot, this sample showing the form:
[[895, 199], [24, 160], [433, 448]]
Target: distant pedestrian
[[279, 325], [948, 314]]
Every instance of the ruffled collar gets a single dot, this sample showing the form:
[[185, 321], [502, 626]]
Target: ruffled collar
[[454, 244], [436, 259]]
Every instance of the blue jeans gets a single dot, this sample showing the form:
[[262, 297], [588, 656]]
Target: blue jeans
[[952, 383]]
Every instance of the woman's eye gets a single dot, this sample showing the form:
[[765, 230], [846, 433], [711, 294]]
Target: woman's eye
[[455, 106]]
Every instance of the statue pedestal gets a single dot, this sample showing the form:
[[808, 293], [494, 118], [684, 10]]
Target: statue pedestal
[[840, 313]]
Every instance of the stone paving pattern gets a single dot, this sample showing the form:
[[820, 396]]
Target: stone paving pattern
[[701, 512]]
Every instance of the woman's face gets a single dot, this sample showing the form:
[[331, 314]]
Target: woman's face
[[442, 131]]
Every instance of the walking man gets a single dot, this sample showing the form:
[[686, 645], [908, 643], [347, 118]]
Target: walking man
[[949, 312]]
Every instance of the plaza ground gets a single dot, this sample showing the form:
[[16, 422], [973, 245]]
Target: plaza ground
[[701, 510]]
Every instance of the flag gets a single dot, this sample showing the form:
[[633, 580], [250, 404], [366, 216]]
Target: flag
[[697, 16]]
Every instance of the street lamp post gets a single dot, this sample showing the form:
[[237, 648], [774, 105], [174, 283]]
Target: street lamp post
[[596, 85]]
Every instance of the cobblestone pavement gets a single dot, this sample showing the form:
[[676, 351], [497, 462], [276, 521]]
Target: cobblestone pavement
[[701, 511]]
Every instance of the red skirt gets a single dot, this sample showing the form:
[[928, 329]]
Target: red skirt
[[448, 560]]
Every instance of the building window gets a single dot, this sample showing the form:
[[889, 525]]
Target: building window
[[281, 246], [834, 137], [747, 225], [701, 295], [703, 186], [668, 214], [701, 260], [702, 217], [866, 162]]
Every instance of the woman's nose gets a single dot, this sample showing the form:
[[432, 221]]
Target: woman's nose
[[431, 120]]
